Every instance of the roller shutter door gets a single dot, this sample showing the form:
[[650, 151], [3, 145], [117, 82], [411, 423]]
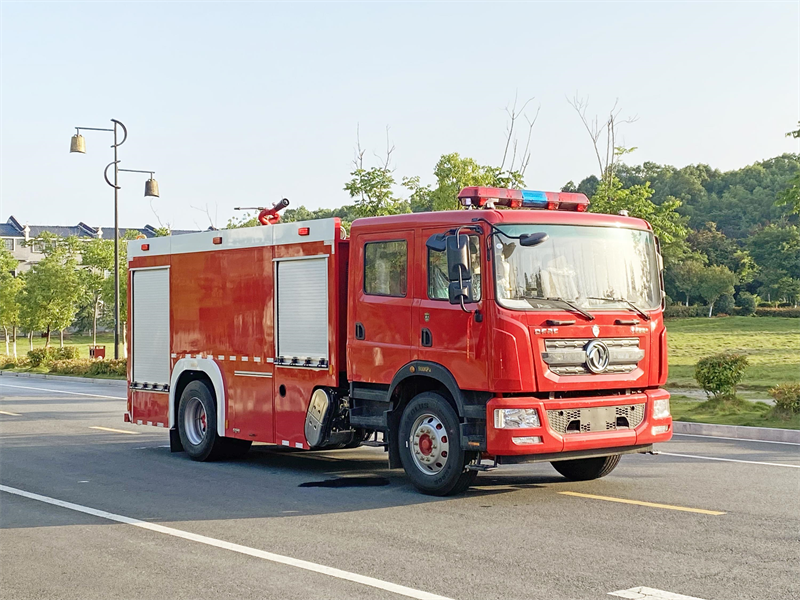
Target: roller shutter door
[[302, 312], [151, 326]]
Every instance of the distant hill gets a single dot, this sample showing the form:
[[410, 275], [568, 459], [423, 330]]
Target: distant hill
[[739, 201]]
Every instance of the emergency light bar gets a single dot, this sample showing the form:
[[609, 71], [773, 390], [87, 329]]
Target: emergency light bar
[[486, 197]]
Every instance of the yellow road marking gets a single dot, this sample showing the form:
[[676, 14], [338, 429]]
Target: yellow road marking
[[115, 430], [10, 414], [702, 511]]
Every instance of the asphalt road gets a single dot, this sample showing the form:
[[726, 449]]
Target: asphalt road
[[711, 529]]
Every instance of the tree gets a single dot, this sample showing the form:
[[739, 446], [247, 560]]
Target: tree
[[372, 187], [686, 277], [722, 250], [107, 293], [776, 250], [603, 136], [97, 258], [453, 173], [715, 280], [790, 197], [52, 286], [10, 287]]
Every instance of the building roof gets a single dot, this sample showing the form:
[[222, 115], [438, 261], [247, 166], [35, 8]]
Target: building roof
[[13, 228]]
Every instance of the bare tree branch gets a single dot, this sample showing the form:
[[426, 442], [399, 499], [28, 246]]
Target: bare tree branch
[[207, 213]]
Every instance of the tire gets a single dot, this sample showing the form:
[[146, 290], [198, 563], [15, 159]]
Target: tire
[[197, 423], [584, 469], [430, 447]]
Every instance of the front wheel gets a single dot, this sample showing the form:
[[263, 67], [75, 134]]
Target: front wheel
[[430, 447], [584, 469]]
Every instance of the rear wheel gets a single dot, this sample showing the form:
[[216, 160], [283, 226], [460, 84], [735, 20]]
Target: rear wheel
[[583, 469], [197, 426], [430, 447]]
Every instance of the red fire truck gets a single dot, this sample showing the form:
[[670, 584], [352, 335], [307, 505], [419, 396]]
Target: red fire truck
[[521, 328]]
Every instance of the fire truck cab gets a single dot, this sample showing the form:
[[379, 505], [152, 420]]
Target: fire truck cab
[[522, 329]]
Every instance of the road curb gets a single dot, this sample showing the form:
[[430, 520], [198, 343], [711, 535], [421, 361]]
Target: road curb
[[740, 432], [119, 382]]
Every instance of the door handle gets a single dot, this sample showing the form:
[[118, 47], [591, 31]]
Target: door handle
[[360, 332], [426, 337]]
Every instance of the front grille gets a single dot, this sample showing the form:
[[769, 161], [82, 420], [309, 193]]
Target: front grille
[[597, 418], [568, 357]]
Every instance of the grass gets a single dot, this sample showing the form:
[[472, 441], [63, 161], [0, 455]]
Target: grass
[[81, 341], [772, 346], [739, 412]]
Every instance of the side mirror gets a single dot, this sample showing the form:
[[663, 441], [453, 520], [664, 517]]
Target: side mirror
[[458, 271], [437, 242], [458, 258], [460, 292], [533, 239]]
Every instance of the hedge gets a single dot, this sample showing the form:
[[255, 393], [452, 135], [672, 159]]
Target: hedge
[[793, 313]]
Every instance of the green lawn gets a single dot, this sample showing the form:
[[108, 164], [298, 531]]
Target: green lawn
[[772, 345], [750, 414], [81, 341]]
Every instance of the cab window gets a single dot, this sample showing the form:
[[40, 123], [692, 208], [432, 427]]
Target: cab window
[[437, 271], [385, 268]]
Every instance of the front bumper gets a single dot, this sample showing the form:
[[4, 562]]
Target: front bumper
[[500, 442]]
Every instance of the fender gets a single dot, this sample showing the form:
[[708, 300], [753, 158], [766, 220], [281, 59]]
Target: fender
[[432, 370], [210, 368]]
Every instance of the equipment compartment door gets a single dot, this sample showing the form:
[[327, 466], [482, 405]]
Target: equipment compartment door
[[379, 337], [150, 311]]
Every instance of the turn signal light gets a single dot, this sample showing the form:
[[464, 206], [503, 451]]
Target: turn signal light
[[303, 231], [145, 247]]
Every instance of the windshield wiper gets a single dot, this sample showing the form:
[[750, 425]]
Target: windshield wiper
[[571, 305], [641, 312]]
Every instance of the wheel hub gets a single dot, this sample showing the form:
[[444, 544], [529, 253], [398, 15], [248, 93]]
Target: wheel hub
[[195, 421], [429, 444]]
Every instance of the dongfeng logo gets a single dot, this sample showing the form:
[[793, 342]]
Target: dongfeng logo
[[596, 356]]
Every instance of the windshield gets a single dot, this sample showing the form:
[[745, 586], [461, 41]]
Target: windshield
[[584, 265]]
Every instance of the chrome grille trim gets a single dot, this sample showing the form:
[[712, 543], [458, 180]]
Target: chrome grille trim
[[568, 357], [597, 418]]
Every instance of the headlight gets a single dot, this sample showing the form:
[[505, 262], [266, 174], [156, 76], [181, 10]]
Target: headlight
[[661, 409], [513, 418]]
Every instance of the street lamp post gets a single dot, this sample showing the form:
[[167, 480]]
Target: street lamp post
[[78, 144]]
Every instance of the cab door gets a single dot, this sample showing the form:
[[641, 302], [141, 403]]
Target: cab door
[[444, 333], [379, 337]]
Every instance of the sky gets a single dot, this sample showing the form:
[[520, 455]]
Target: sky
[[242, 104]]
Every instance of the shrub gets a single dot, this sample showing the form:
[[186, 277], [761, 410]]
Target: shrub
[[44, 357], [66, 353], [724, 304], [75, 366], [675, 311], [109, 367], [9, 362], [778, 312], [787, 397], [719, 374], [747, 302]]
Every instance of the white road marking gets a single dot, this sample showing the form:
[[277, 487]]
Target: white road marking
[[115, 430], [25, 387], [749, 462], [202, 539], [10, 414], [646, 593], [719, 437]]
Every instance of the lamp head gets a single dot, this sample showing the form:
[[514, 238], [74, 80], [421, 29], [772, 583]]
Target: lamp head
[[77, 144], [151, 188]]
